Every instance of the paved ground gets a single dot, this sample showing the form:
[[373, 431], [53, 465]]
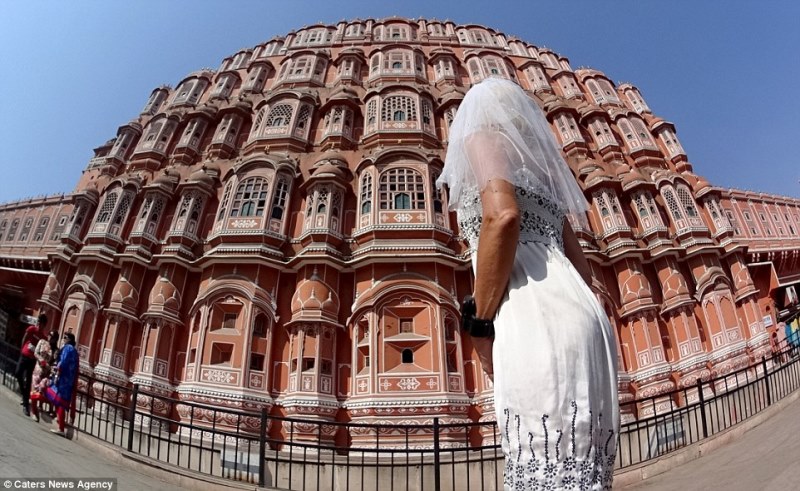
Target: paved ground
[[764, 459], [28, 449]]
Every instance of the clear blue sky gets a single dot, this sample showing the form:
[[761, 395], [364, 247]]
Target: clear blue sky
[[725, 72]]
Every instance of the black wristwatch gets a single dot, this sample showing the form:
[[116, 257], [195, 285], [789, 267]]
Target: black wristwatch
[[475, 327]]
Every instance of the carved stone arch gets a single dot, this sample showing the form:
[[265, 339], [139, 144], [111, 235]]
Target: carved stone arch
[[236, 285]]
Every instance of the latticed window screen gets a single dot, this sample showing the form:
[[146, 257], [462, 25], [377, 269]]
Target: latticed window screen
[[601, 200], [366, 193], [285, 68], [336, 204], [595, 90], [122, 209], [148, 202], [59, 228], [332, 119], [279, 201], [303, 116], [322, 201], [155, 215], [602, 132], [280, 115], [301, 67], [108, 207], [641, 205], [493, 66], [436, 193], [372, 111], [672, 204], [610, 92], [687, 201], [186, 202], [402, 189], [399, 108], [41, 228], [630, 137], [427, 112], [224, 203], [319, 68], [644, 133], [397, 60], [227, 129], [12, 231], [26, 229], [257, 123], [475, 69], [251, 198], [450, 115]]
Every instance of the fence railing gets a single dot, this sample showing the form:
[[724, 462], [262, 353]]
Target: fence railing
[[306, 454]]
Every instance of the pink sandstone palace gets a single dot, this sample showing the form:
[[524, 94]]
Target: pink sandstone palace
[[268, 234]]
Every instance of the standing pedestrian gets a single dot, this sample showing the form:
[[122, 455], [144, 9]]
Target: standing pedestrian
[[41, 373], [552, 356], [27, 360], [62, 391]]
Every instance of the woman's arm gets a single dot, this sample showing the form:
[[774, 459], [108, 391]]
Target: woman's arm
[[497, 246], [574, 252]]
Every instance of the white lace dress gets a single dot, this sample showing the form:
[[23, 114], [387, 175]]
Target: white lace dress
[[555, 374]]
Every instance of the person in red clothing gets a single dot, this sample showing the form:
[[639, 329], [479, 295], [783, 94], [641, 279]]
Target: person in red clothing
[[27, 360]]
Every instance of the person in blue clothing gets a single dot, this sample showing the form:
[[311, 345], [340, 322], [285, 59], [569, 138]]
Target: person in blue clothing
[[62, 390], [792, 338]]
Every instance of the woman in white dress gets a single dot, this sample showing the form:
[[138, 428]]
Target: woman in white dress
[[552, 358]]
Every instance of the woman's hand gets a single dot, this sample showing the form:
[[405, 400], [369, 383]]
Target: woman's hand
[[483, 346]]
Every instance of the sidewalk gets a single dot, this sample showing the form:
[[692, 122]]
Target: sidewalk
[[29, 450], [763, 459]]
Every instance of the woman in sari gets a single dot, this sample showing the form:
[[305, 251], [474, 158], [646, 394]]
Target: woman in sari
[[41, 372], [61, 392]]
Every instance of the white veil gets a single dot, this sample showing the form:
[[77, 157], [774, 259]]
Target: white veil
[[500, 133]]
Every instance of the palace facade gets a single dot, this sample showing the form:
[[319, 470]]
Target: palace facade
[[268, 234]]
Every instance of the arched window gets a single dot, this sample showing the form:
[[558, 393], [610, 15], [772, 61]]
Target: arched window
[[672, 204], [595, 90], [372, 112], [642, 131], [402, 189], [475, 73], [107, 208], [436, 193], [250, 198], [303, 116], [3, 226], [121, 213], [631, 139], [366, 193], [224, 85], [188, 212], [408, 355], [280, 115], [399, 108], [279, 200], [687, 201]]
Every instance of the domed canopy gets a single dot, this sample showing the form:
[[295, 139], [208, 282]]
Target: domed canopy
[[124, 296], [314, 299], [200, 176], [164, 297]]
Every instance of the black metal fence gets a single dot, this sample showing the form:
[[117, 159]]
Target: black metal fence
[[305, 454]]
